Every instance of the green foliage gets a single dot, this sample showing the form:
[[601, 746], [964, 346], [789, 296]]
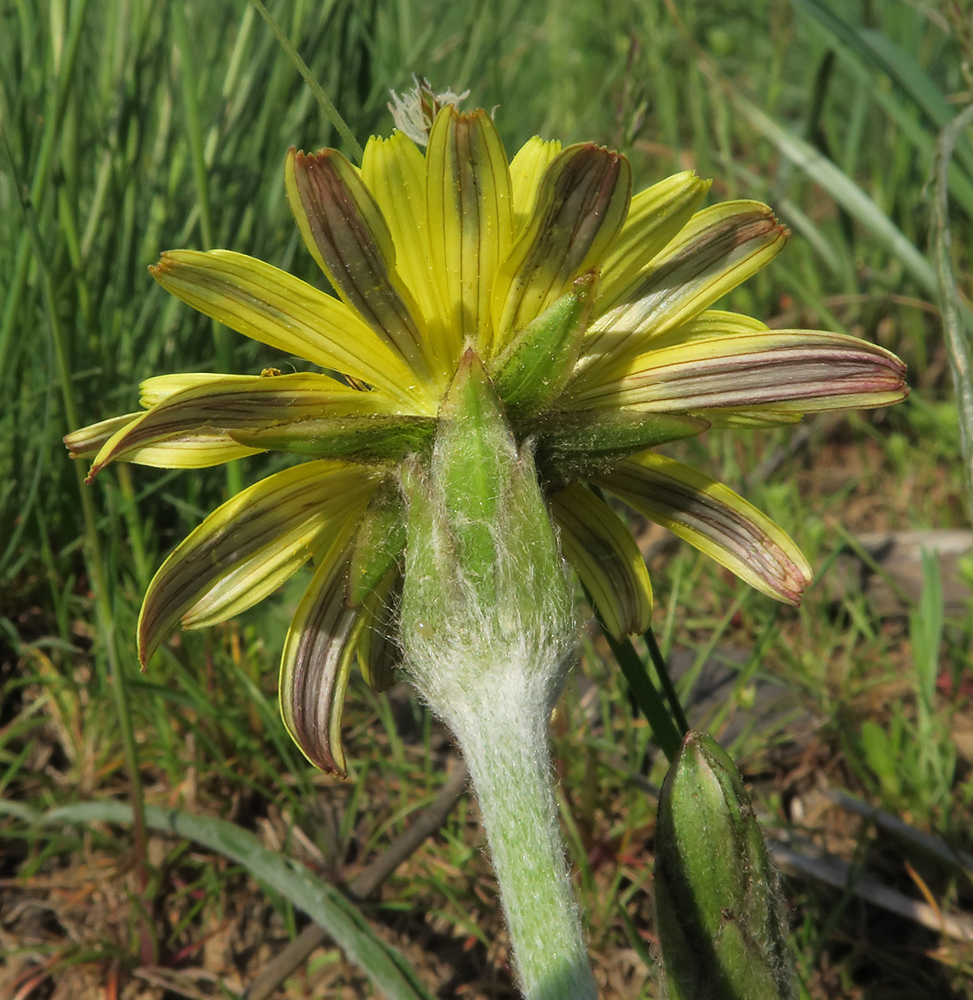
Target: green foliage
[[914, 759], [387, 969]]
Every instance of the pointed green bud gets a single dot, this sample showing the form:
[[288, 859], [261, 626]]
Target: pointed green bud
[[378, 543], [362, 438], [536, 365], [472, 461], [716, 890], [576, 444]]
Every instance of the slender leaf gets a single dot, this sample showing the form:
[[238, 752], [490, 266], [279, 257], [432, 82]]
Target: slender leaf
[[349, 929], [956, 313], [880, 51], [844, 191]]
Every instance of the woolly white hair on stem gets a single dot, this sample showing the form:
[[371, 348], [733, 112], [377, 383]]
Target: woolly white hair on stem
[[488, 629]]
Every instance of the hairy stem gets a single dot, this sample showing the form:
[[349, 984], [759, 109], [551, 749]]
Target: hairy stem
[[502, 731]]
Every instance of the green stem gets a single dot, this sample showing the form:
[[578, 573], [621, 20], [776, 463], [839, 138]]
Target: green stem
[[496, 698], [488, 628], [665, 681], [643, 690], [503, 736], [319, 95], [194, 129]]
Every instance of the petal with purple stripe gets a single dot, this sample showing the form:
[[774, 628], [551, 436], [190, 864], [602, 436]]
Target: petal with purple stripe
[[714, 519]]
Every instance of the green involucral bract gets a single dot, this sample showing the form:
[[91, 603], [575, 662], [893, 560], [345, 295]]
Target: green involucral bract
[[537, 364], [379, 544]]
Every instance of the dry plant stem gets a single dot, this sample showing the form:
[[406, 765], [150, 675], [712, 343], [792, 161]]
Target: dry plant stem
[[367, 882], [838, 873], [957, 342]]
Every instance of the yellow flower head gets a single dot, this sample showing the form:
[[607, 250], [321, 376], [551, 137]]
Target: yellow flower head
[[589, 310]]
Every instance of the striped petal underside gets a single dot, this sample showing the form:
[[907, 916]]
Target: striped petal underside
[[86, 442], [719, 248], [271, 306], [654, 218], [157, 388], [607, 560], [348, 236], [708, 325], [785, 371], [580, 208], [194, 451], [317, 659], [250, 545], [394, 170], [468, 200], [234, 403], [714, 519]]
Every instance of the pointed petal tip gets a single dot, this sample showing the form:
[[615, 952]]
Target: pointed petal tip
[[585, 282], [330, 766], [793, 593], [322, 758], [167, 261], [324, 752], [145, 645], [301, 158], [465, 116], [793, 578]]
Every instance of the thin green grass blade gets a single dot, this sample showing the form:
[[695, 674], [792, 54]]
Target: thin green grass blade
[[343, 921], [880, 51], [329, 109], [845, 192], [194, 129], [956, 318], [57, 99], [99, 577]]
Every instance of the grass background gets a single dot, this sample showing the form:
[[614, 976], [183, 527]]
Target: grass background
[[133, 126]]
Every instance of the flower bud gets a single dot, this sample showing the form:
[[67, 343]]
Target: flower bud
[[716, 891]]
